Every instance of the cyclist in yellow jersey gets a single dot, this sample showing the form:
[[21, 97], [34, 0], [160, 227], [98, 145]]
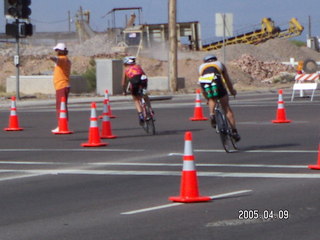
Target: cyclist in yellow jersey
[[214, 79]]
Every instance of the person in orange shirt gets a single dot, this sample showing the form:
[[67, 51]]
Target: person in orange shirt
[[300, 67], [61, 76]]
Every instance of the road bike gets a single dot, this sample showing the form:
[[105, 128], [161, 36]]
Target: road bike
[[223, 128], [148, 116]]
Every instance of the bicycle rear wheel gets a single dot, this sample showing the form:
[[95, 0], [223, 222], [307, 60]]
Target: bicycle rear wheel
[[148, 124], [223, 130], [233, 142], [150, 129]]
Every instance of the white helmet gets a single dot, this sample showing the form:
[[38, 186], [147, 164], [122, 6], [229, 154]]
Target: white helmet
[[129, 60]]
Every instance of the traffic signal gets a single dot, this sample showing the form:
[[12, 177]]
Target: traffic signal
[[12, 29], [25, 29], [10, 8], [20, 30], [17, 8], [24, 9]]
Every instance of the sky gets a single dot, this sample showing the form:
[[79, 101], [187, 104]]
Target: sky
[[48, 15]]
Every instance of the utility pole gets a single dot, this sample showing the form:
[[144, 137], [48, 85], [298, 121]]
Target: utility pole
[[224, 37], [69, 21], [172, 59], [309, 27]]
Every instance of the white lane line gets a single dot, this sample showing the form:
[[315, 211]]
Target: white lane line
[[153, 164], [33, 163], [313, 175], [259, 151], [71, 150], [265, 123], [198, 165], [142, 150], [178, 204], [251, 165], [19, 177], [246, 151]]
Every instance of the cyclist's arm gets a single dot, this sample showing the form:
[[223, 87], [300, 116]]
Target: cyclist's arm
[[228, 81], [124, 82]]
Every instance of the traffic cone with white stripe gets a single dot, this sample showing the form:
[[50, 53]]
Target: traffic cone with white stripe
[[316, 167], [63, 120], [281, 111], [107, 102], [94, 137], [106, 131], [198, 112], [189, 191], [13, 118]]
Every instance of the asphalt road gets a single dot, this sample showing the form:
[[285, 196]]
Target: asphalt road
[[52, 188]]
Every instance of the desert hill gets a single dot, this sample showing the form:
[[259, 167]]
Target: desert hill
[[248, 65]]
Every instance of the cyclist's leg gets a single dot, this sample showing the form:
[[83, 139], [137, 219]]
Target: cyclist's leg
[[211, 103], [148, 102], [136, 96], [228, 111], [136, 100]]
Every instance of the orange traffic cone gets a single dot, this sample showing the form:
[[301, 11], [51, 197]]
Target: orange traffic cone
[[63, 121], [316, 167], [13, 119], [189, 185], [107, 102], [94, 138], [106, 124], [281, 112], [198, 112]]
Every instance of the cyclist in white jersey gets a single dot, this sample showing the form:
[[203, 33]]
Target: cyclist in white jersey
[[214, 79]]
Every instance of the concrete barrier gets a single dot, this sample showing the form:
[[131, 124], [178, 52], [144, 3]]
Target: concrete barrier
[[161, 83], [44, 84]]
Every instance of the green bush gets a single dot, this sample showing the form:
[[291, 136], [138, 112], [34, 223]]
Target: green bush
[[298, 43], [90, 75]]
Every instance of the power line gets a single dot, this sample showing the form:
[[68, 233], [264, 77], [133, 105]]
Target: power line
[[53, 22]]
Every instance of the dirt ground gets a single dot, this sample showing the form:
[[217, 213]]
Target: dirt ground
[[249, 66]]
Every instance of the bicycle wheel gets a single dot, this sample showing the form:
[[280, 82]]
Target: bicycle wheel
[[233, 142], [144, 125], [149, 122], [223, 130]]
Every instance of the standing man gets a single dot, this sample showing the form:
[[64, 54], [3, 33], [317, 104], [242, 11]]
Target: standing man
[[61, 76]]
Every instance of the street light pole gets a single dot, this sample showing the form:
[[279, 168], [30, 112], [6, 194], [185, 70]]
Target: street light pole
[[17, 63]]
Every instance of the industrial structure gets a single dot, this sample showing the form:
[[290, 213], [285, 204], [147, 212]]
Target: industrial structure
[[135, 35], [151, 35], [268, 31]]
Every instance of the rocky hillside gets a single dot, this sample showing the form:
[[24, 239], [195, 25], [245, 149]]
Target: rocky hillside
[[249, 66]]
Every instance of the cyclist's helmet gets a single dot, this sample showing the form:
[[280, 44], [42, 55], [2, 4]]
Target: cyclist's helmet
[[129, 60], [210, 58]]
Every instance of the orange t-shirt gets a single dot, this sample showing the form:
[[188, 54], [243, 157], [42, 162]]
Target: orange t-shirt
[[61, 72]]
